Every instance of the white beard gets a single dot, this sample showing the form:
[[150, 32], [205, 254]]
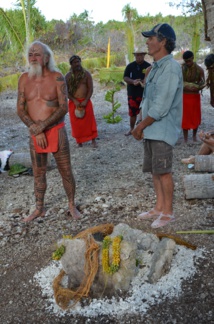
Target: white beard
[[35, 70]]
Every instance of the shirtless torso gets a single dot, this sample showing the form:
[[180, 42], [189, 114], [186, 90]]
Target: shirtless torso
[[194, 79], [41, 96], [79, 83], [41, 102]]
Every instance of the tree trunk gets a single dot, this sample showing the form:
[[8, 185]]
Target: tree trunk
[[208, 10], [199, 186], [25, 159], [204, 163]]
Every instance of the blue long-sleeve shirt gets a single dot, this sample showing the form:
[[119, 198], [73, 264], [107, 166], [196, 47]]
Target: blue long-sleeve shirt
[[162, 100]]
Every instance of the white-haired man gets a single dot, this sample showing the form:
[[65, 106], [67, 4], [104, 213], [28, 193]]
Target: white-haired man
[[42, 105]]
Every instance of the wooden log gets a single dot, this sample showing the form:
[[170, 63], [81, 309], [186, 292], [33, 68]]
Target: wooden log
[[199, 186], [25, 159], [204, 163]]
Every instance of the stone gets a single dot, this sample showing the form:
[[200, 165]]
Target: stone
[[161, 260], [73, 261], [141, 253]]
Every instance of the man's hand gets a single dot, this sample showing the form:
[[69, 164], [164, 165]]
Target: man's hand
[[41, 140], [137, 132], [136, 82], [83, 103], [203, 136], [37, 128]]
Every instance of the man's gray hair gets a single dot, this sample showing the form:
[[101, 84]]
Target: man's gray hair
[[51, 65]]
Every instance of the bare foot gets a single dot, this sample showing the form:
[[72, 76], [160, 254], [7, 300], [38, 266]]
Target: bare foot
[[190, 160], [74, 212], [94, 144], [37, 213]]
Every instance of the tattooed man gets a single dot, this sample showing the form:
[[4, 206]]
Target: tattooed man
[[42, 105]]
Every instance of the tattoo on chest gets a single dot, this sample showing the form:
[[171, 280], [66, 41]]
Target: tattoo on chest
[[53, 103]]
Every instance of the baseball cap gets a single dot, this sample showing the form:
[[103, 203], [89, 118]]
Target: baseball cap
[[166, 30]]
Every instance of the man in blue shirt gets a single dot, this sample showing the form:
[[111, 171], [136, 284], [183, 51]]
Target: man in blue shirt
[[161, 124]]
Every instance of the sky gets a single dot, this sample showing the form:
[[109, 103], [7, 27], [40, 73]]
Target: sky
[[99, 10]]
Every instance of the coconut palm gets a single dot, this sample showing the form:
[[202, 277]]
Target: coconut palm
[[130, 14], [16, 24]]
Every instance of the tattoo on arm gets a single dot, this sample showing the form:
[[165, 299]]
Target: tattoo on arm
[[22, 112], [60, 78], [64, 89], [56, 116]]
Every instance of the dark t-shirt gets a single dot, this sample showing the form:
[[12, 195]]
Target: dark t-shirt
[[135, 71]]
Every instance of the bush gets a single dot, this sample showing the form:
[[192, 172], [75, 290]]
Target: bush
[[9, 82], [109, 96], [63, 67], [113, 74]]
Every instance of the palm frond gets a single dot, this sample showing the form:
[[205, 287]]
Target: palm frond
[[10, 27]]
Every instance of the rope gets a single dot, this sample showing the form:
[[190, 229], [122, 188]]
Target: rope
[[62, 295]]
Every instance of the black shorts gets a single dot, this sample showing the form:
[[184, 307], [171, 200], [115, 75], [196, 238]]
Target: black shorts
[[157, 157]]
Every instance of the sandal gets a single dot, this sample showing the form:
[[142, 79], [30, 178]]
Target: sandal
[[150, 214], [159, 222]]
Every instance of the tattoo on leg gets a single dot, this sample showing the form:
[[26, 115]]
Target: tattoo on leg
[[62, 158], [39, 165]]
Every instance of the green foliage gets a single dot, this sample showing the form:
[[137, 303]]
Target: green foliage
[[139, 263], [80, 35], [196, 36], [58, 253], [113, 74], [9, 30], [64, 67], [94, 63], [109, 96], [20, 26], [130, 15], [9, 82]]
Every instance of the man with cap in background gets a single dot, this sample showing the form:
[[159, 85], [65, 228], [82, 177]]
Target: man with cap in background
[[134, 76], [161, 122]]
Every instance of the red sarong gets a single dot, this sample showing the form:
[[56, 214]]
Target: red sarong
[[191, 111], [83, 129], [52, 140]]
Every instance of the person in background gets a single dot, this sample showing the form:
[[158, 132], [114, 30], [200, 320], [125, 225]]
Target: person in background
[[134, 75], [194, 81], [209, 63], [161, 124], [41, 105], [206, 148], [139, 116], [80, 89]]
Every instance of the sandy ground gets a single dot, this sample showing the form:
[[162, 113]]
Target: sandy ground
[[113, 172]]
